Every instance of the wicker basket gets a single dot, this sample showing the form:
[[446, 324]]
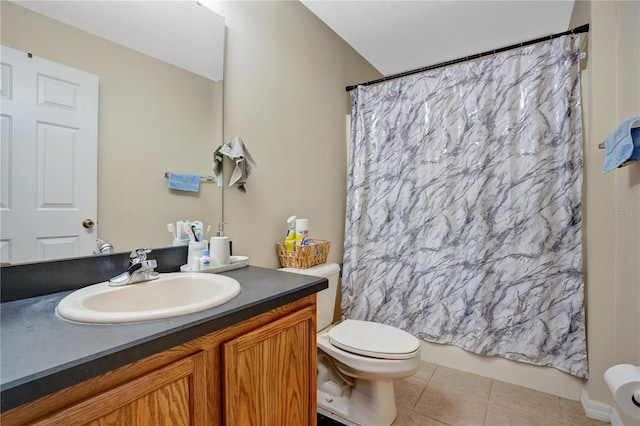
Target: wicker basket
[[304, 256]]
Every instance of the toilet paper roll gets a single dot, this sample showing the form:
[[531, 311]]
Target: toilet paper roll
[[624, 383]]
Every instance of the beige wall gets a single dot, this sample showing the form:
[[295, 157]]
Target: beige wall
[[285, 78], [627, 195], [613, 200], [154, 117]]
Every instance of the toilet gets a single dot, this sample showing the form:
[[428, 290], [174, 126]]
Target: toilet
[[358, 360]]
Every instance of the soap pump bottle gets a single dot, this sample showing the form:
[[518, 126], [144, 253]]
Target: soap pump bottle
[[220, 247], [290, 239]]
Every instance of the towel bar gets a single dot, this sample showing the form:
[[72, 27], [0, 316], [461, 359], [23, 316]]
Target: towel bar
[[202, 178], [601, 144]]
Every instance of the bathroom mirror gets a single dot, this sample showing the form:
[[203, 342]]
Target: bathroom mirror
[[159, 66]]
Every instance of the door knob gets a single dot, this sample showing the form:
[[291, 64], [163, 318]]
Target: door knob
[[88, 223]]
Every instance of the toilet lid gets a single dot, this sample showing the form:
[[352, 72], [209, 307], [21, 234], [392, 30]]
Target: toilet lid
[[373, 339]]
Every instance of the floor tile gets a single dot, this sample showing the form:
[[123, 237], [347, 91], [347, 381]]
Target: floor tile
[[425, 371], [441, 396], [408, 391], [411, 418], [501, 414], [527, 399], [456, 379], [451, 406]]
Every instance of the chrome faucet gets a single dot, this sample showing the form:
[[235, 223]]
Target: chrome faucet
[[103, 246], [140, 269]]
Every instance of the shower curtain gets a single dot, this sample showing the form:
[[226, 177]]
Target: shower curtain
[[463, 216]]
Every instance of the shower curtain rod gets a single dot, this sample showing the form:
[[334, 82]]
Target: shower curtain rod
[[581, 29]]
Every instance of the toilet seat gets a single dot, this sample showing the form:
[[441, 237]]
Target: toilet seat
[[373, 340]]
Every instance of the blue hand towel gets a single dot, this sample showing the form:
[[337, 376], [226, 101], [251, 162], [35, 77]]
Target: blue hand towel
[[622, 145], [635, 135], [183, 182]]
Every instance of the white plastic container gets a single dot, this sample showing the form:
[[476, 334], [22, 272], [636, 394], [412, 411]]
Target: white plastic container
[[302, 232], [205, 260], [194, 264]]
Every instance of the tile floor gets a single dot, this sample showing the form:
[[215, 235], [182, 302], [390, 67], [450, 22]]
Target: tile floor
[[437, 396]]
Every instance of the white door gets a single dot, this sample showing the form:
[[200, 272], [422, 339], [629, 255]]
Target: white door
[[48, 159]]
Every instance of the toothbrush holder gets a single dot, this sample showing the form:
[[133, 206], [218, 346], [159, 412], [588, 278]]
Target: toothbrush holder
[[195, 250]]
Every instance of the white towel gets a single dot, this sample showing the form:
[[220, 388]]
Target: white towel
[[236, 150], [217, 165]]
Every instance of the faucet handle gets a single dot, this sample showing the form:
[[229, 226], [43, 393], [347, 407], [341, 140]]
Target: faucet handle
[[150, 264], [139, 255]]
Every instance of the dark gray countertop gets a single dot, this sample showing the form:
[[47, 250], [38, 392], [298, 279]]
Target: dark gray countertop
[[41, 353]]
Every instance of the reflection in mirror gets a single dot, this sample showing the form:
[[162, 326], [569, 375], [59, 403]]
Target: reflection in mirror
[[155, 114]]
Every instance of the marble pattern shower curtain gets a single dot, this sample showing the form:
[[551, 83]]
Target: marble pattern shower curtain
[[463, 221]]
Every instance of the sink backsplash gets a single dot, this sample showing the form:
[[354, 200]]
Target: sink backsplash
[[37, 279]]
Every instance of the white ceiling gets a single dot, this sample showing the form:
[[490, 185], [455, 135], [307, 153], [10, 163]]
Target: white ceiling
[[183, 33], [393, 35], [396, 36]]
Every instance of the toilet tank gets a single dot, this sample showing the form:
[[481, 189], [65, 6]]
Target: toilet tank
[[326, 299]]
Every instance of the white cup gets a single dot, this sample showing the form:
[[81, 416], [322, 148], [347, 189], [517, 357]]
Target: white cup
[[195, 250]]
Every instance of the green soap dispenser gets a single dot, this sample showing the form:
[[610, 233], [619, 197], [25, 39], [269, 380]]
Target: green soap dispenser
[[290, 240]]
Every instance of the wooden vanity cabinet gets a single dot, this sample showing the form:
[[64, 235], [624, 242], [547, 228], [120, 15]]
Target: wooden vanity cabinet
[[270, 373], [257, 372]]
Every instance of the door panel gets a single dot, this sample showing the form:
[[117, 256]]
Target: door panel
[[49, 159], [270, 374]]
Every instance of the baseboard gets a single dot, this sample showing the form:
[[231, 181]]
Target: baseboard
[[599, 410], [615, 419]]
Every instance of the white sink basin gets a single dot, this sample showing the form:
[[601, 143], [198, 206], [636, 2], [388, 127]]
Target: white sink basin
[[171, 295]]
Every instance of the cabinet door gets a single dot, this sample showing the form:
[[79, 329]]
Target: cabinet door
[[270, 373], [172, 395]]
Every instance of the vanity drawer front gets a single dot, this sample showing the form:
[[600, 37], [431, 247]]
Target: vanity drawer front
[[169, 395]]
